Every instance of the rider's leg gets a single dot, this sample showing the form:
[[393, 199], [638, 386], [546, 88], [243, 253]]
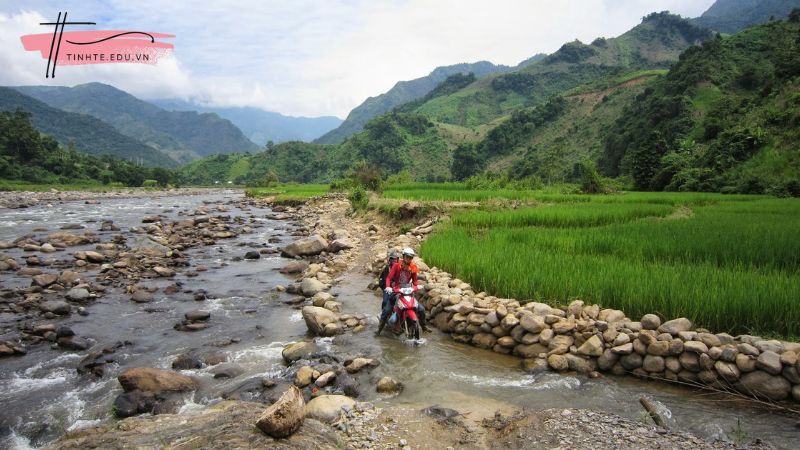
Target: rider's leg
[[386, 311], [421, 315]]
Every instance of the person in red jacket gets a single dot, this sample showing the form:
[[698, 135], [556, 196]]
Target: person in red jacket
[[404, 273]]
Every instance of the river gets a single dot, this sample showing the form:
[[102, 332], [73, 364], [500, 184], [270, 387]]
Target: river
[[43, 396]]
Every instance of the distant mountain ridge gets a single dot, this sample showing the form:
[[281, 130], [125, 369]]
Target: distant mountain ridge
[[732, 16], [404, 92], [88, 134], [183, 135], [261, 126]]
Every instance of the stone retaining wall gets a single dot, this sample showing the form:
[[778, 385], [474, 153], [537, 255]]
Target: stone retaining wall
[[587, 339]]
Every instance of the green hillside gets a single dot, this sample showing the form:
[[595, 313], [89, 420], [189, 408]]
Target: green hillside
[[654, 44], [732, 16], [404, 92], [27, 156], [184, 135], [725, 118], [88, 134]]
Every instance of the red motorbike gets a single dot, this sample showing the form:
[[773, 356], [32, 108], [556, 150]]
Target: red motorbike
[[405, 312]]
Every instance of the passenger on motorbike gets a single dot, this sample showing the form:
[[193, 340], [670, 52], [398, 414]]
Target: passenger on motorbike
[[403, 273], [388, 296]]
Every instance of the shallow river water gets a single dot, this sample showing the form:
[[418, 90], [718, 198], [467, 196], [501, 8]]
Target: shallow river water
[[42, 395]]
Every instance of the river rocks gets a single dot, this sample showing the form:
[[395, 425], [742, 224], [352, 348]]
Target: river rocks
[[309, 246], [152, 218], [357, 364], [197, 315], [44, 280], [285, 416], [74, 343], [762, 384], [10, 348], [320, 321], [58, 307], [142, 296], [327, 408], [252, 254], [559, 363], [770, 362], [728, 371], [186, 361], [652, 363], [340, 244], [650, 322], [294, 267], [532, 323], [298, 350], [155, 380], [165, 272], [592, 347], [675, 326], [310, 286], [226, 370], [78, 294], [131, 403], [325, 379], [388, 385], [695, 347]]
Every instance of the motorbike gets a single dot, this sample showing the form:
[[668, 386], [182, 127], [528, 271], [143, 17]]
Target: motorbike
[[405, 312]]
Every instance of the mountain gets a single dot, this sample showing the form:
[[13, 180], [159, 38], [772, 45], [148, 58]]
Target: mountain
[[262, 126], [725, 118], [88, 134], [183, 135], [404, 92], [732, 16], [653, 44]]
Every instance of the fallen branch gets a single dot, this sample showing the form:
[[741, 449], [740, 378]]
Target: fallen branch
[[651, 409]]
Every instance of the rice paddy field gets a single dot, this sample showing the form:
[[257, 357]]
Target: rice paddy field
[[288, 193], [729, 263]]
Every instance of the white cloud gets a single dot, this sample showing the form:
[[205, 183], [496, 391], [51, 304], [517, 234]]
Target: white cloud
[[311, 57]]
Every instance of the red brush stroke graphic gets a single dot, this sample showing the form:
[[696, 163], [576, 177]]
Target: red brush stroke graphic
[[131, 45], [95, 47]]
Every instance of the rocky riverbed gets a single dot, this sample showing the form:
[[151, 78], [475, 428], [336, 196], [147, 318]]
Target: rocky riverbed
[[27, 199], [185, 306]]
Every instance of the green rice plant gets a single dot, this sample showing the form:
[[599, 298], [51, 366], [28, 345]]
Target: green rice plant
[[290, 192], [563, 215], [731, 266]]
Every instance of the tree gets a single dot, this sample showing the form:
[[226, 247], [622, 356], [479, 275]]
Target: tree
[[466, 162]]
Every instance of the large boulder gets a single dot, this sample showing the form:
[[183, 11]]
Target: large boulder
[[155, 380], [312, 245], [762, 384], [285, 416], [317, 318], [327, 408]]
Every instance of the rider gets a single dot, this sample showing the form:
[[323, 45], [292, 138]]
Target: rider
[[386, 305], [404, 273]]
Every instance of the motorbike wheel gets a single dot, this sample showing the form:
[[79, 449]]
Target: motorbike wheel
[[412, 329]]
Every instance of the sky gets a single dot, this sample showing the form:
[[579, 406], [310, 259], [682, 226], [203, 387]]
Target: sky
[[312, 57]]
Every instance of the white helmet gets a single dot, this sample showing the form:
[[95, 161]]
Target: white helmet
[[408, 251]]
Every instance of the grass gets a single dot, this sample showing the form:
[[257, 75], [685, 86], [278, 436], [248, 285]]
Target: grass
[[729, 263], [290, 193], [459, 192], [7, 185]]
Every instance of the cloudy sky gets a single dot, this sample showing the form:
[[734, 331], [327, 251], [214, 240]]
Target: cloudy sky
[[312, 57]]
